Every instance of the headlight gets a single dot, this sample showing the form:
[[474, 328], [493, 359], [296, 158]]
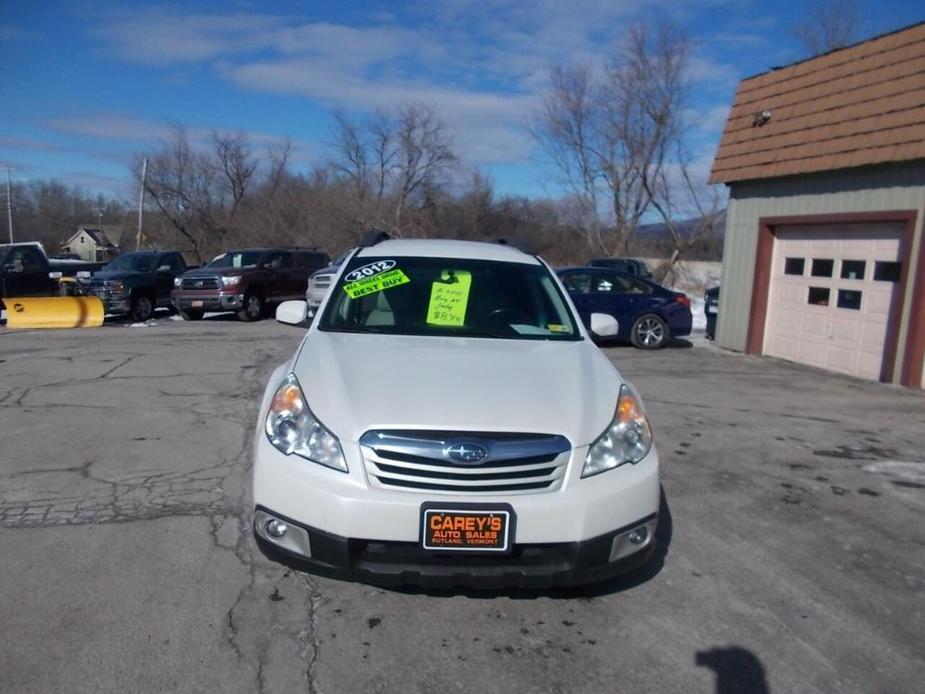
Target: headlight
[[628, 439], [292, 428], [177, 282], [115, 287], [231, 280]]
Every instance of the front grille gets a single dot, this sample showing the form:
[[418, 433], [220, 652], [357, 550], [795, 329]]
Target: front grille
[[417, 461], [97, 288], [319, 281], [200, 283]]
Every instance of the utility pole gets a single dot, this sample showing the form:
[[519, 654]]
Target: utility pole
[[141, 201], [9, 200]]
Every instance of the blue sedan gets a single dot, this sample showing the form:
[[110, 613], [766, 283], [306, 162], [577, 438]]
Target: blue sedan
[[649, 315]]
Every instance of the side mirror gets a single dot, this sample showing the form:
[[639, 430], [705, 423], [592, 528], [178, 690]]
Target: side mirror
[[292, 312], [604, 325]]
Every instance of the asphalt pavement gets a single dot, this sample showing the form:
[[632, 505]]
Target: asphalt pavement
[[792, 551]]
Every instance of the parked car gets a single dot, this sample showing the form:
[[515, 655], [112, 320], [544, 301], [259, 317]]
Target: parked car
[[711, 311], [629, 266], [246, 281], [447, 421], [320, 282], [137, 283], [649, 315]]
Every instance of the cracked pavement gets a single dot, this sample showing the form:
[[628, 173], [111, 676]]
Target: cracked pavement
[[792, 540]]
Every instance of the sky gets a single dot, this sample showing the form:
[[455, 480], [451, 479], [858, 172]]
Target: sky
[[89, 84]]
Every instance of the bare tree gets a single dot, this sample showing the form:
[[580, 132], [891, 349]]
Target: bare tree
[[235, 163], [828, 25], [690, 210], [569, 128], [278, 155], [351, 147], [199, 193], [395, 164], [172, 185], [606, 134], [424, 153], [381, 128]]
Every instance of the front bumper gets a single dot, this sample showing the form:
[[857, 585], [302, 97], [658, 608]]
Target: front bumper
[[216, 301], [117, 305], [112, 303], [361, 532], [397, 564]]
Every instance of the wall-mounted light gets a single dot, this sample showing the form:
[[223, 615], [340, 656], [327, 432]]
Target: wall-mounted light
[[761, 118]]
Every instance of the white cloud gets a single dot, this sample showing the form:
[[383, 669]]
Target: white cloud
[[108, 126], [126, 130], [481, 63], [157, 36]]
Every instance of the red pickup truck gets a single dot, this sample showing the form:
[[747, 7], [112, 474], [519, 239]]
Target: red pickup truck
[[246, 281]]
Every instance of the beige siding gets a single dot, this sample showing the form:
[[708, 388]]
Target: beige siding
[[894, 187]]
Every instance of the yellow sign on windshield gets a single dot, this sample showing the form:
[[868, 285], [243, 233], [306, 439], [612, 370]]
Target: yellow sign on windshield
[[376, 283], [449, 297]]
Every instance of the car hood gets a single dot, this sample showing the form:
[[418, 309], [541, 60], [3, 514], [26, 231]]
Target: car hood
[[218, 271], [104, 276], [357, 382]]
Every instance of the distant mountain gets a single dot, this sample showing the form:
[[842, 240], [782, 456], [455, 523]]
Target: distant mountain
[[660, 231]]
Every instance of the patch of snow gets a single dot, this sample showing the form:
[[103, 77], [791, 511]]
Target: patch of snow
[[699, 317], [913, 472]]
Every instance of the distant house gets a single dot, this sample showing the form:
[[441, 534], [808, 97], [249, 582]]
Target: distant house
[[824, 258], [95, 244]]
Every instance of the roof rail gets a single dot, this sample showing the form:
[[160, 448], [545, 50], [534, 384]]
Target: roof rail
[[372, 237], [518, 243]]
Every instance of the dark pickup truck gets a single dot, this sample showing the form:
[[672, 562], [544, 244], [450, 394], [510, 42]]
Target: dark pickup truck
[[137, 283], [25, 271], [246, 281]]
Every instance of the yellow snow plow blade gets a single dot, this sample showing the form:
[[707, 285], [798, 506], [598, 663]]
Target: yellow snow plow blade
[[54, 312]]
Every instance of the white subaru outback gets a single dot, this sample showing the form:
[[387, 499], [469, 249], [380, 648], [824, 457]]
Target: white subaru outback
[[447, 421]]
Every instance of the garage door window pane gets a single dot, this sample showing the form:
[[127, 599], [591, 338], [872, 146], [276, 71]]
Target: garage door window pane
[[849, 298], [819, 296], [794, 266], [885, 271], [823, 267], [853, 269]]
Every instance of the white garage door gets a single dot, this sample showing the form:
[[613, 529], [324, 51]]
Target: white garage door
[[832, 294]]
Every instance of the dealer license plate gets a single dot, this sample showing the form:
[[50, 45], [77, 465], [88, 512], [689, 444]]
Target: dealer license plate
[[196, 304], [467, 527]]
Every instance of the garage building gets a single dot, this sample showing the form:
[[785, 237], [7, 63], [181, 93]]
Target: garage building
[[824, 256]]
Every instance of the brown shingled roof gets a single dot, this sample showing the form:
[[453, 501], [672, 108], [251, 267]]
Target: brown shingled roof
[[860, 105]]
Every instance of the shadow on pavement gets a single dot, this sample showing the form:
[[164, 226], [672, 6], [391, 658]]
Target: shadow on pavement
[[738, 670]]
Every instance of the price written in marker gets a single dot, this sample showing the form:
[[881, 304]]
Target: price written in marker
[[449, 297]]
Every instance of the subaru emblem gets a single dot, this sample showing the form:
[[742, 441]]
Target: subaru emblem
[[466, 453]]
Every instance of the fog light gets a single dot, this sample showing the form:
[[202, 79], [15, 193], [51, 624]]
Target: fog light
[[276, 528], [636, 537]]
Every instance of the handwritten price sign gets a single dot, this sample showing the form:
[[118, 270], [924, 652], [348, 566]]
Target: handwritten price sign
[[449, 297]]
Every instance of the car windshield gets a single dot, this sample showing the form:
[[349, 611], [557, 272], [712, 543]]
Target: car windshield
[[449, 297], [133, 262], [237, 259]]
